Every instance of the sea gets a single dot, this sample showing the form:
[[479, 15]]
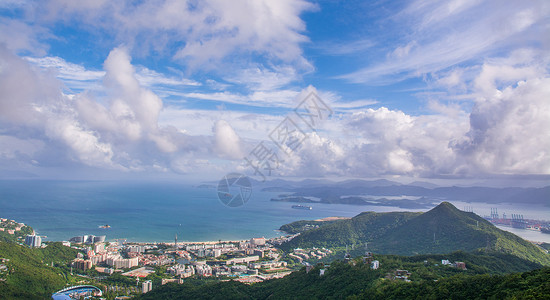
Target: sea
[[138, 211]]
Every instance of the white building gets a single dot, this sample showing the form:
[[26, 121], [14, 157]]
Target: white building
[[33, 241], [136, 248], [203, 270], [122, 263], [257, 241], [181, 269], [99, 248], [146, 286]]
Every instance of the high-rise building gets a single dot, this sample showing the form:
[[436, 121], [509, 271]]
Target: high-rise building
[[122, 263], [82, 264], [33, 240], [99, 248], [88, 239], [99, 239], [146, 286]]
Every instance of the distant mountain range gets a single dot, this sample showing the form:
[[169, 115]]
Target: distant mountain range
[[390, 193], [441, 230]]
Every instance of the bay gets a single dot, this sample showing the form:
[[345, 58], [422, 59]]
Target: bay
[[157, 211]]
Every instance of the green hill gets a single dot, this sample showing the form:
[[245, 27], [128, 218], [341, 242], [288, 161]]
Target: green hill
[[366, 226], [441, 230], [29, 273]]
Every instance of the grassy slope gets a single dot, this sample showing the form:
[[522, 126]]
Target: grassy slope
[[30, 277], [455, 230], [366, 226]]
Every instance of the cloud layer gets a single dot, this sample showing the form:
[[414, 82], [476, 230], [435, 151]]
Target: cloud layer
[[236, 69]]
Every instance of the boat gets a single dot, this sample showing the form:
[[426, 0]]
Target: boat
[[302, 207], [105, 226], [545, 230]]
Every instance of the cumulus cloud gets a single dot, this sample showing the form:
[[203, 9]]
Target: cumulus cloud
[[508, 130], [227, 143], [130, 100], [503, 133], [32, 102], [133, 110], [25, 91], [119, 131], [84, 144], [396, 143]]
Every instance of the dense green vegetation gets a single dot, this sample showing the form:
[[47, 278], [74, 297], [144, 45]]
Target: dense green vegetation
[[429, 280], [529, 285], [31, 275], [364, 227], [441, 230], [303, 225]]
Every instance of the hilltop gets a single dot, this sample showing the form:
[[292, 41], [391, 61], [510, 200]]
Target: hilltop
[[443, 229]]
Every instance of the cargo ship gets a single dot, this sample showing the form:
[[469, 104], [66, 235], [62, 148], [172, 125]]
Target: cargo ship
[[302, 207]]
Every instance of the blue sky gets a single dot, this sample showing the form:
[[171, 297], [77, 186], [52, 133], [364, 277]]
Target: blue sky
[[419, 89]]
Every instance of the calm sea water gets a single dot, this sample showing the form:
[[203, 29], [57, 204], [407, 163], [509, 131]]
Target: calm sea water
[[153, 211]]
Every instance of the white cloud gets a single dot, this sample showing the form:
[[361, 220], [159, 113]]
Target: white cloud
[[139, 103], [66, 70], [347, 48], [32, 101], [352, 105], [508, 130], [505, 132], [20, 36], [206, 31], [81, 129], [275, 98], [24, 90], [263, 79], [151, 78], [78, 78], [84, 144], [454, 33], [227, 143]]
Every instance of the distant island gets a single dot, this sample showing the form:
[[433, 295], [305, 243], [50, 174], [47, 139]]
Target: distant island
[[390, 193]]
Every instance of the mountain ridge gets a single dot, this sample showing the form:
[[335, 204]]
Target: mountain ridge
[[443, 229]]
